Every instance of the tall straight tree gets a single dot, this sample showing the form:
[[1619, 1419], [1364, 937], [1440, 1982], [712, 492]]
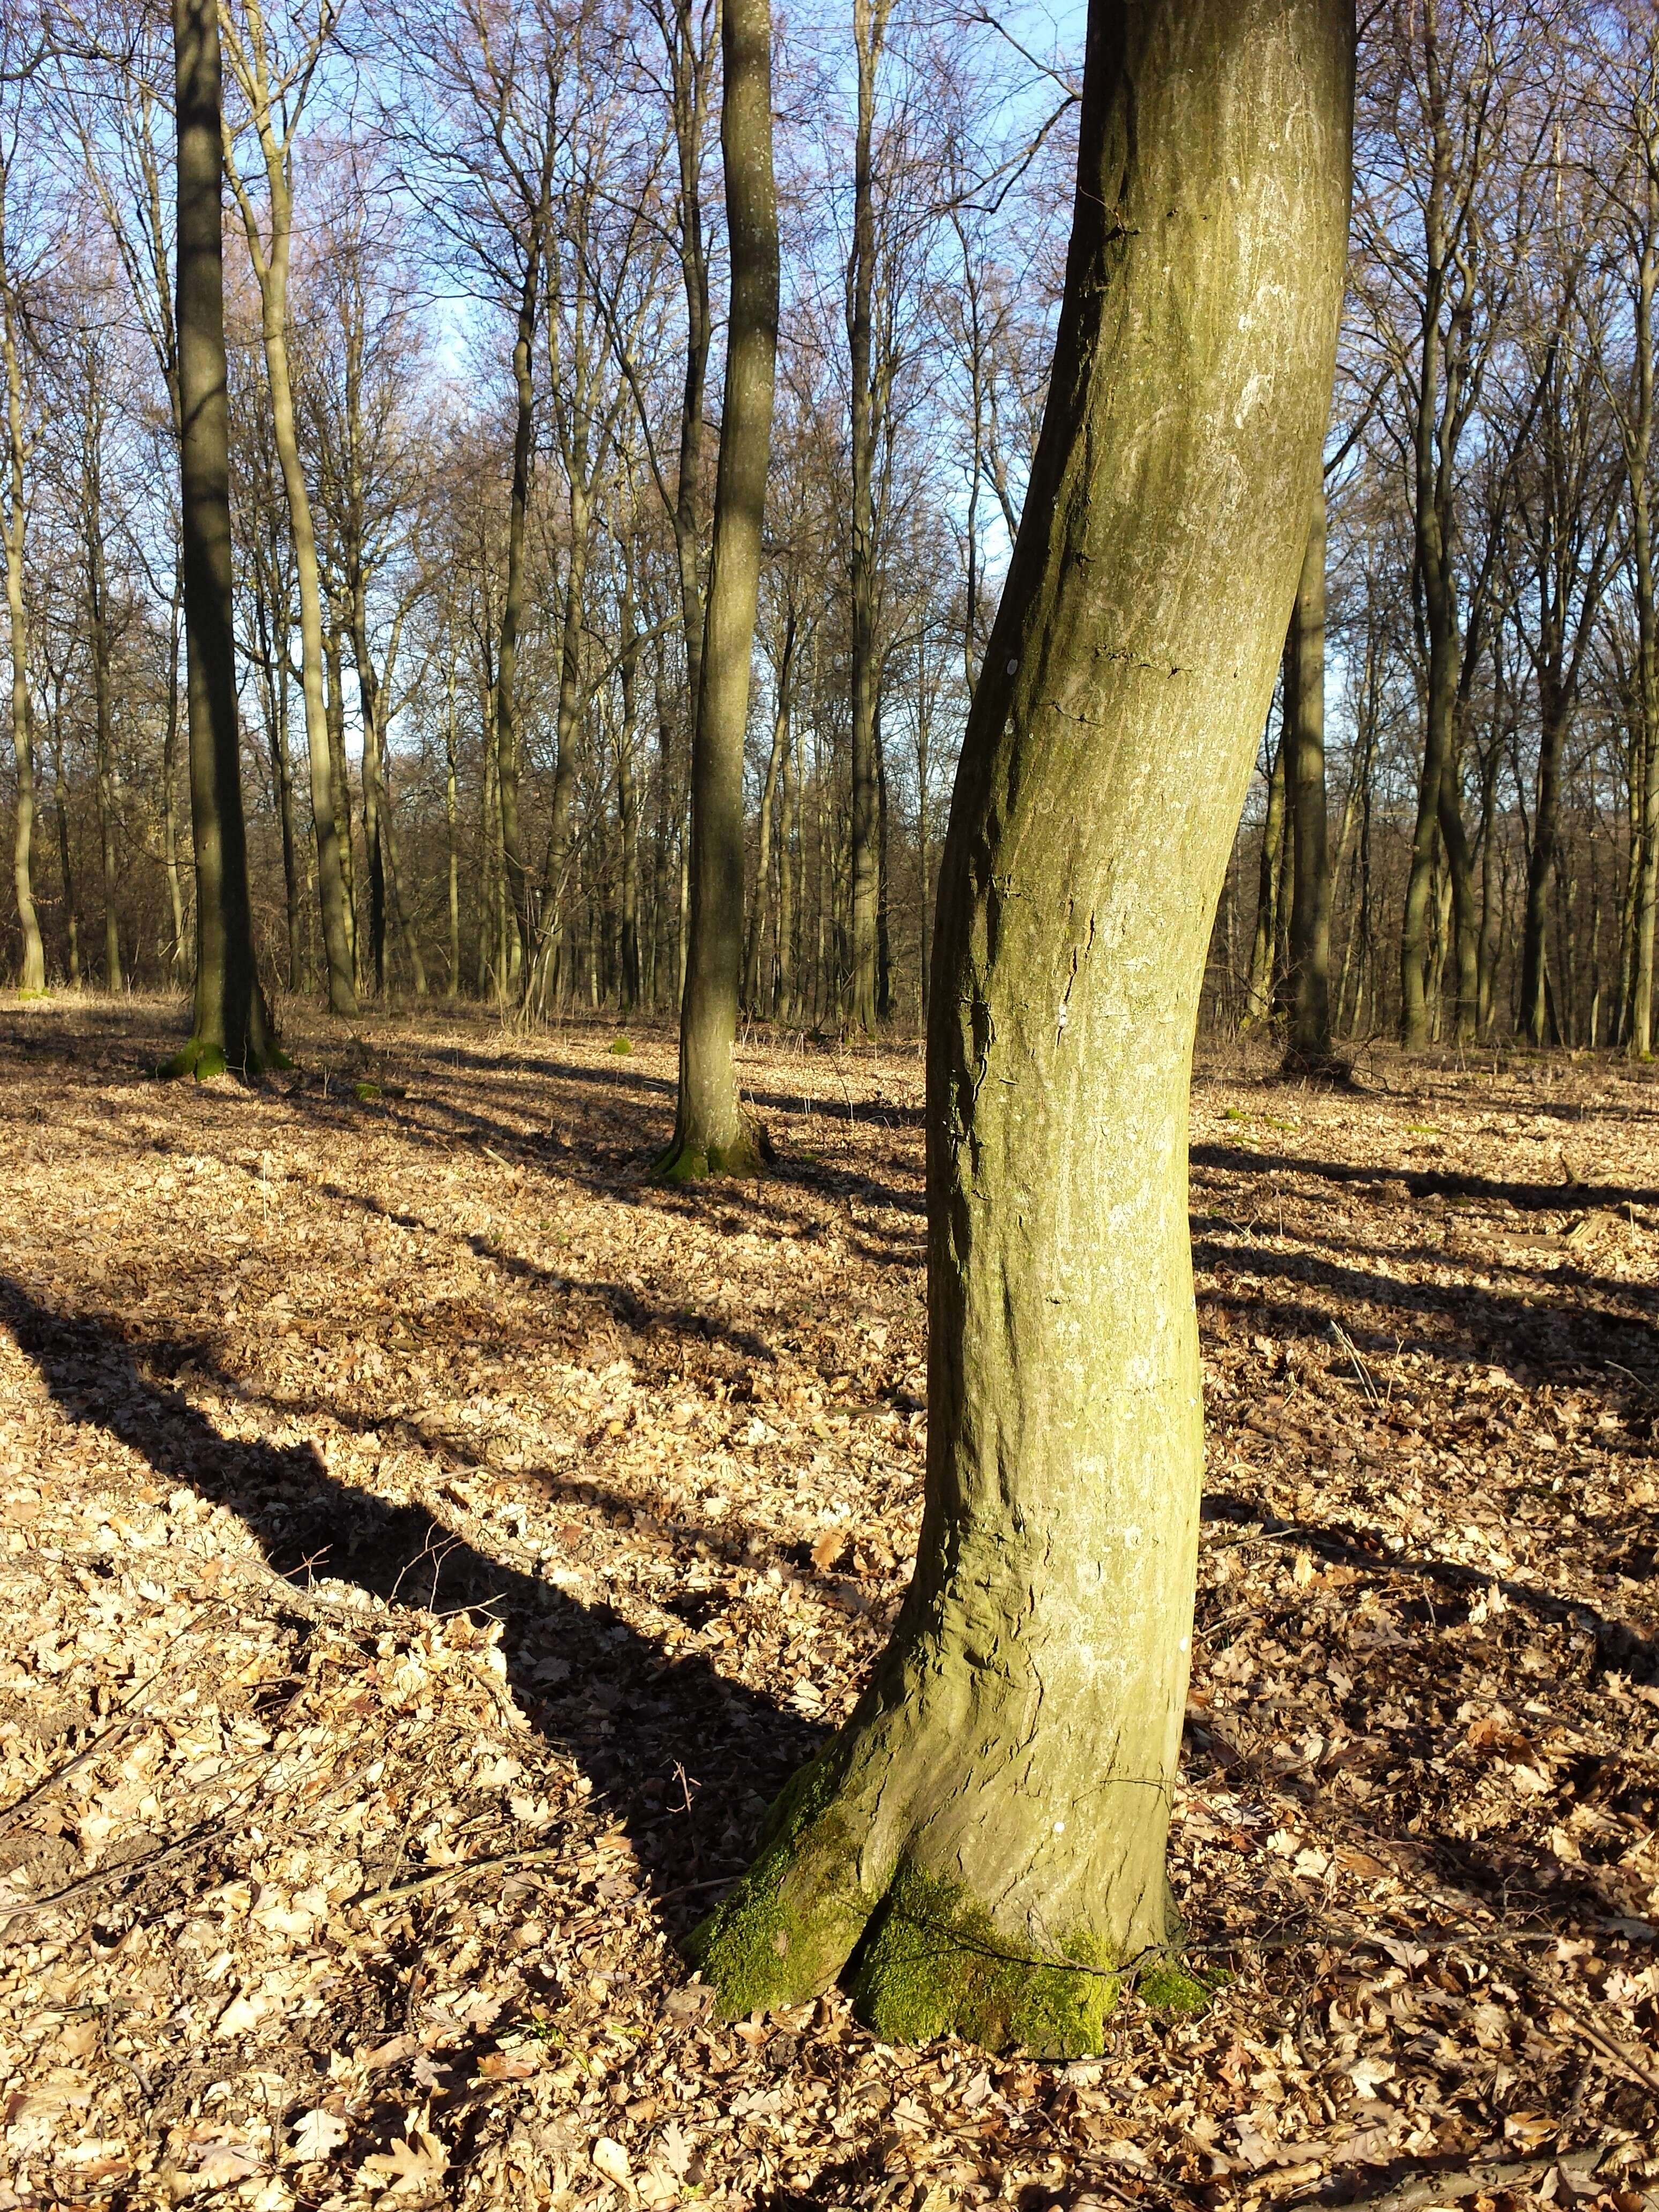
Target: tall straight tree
[[985, 1838], [1310, 1044], [32, 972], [231, 1027], [275, 96], [870, 19], [712, 1134]]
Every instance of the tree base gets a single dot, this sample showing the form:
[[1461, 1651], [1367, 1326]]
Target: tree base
[[922, 1959], [205, 1059], [1317, 1068], [688, 1160]]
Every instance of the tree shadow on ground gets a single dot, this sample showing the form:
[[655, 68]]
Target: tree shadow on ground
[[1620, 1645], [630, 1713], [1429, 1183]]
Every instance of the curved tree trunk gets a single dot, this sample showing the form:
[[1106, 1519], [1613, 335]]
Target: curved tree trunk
[[985, 1838], [231, 1027], [712, 1134]]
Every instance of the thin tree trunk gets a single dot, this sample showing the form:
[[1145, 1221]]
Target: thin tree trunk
[[989, 1829], [32, 971], [507, 651], [271, 270], [71, 919], [339, 798], [629, 978], [1259, 989], [451, 822], [1638, 462], [869, 30], [712, 1134], [787, 1001], [178, 959], [1305, 779], [751, 991], [231, 1028], [102, 704], [1541, 865]]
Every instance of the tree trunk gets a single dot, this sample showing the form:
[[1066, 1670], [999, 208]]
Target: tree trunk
[[281, 771], [869, 29], [102, 704], [627, 809], [557, 867], [1304, 782], [985, 1838], [71, 921], [787, 1003], [451, 819], [1638, 457], [1553, 716], [751, 993], [272, 269], [178, 961], [231, 1028], [32, 971], [506, 652], [338, 797], [712, 1134], [1259, 989]]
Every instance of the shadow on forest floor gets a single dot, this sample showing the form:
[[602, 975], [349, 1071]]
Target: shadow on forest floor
[[630, 1714]]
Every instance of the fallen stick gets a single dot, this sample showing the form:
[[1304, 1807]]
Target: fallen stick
[[1452, 2185]]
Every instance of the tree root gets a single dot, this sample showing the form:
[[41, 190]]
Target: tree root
[[205, 1059], [687, 1160], [920, 1957]]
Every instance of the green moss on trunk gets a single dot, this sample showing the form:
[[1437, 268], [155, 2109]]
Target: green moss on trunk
[[933, 1961], [785, 1930]]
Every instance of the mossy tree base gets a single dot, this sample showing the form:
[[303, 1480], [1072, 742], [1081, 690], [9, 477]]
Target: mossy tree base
[[690, 1160], [921, 1958], [205, 1059]]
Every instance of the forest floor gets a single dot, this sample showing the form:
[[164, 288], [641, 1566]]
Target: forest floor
[[425, 1547]]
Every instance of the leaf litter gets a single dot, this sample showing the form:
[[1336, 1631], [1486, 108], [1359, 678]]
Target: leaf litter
[[425, 1547]]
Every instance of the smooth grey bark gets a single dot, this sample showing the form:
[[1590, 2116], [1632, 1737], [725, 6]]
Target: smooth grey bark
[[1309, 1049], [713, 1136], [231, 1028], [984, 1840]]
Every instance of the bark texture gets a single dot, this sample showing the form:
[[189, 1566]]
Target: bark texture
[[712, 1134], [983, 1843], [231, 1027]]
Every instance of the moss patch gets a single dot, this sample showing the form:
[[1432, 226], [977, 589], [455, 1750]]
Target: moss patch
[[788, 1928], [200, 1057], [1168, 1988], [934, 1964], [687, 1162]]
